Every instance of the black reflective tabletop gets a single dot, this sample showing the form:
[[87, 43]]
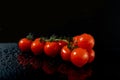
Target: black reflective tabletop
[[15, 65]]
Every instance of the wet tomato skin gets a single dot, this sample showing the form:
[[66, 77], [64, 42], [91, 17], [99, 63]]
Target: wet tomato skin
[[86, 41], [79, 57], [25, 44], [51, 49], [75, 40], [91, 54], [62, 43], [37, 46], [65, 53]]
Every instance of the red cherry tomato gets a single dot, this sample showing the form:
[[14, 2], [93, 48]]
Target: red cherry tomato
[[37, 46], [86, 41], [51, 48], [79, 57], [25, 44], [91, 54], [65, 53], [75, 40], [62, 43]]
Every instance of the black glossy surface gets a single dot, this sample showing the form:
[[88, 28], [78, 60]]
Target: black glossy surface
[[15, 65], [23, 66]]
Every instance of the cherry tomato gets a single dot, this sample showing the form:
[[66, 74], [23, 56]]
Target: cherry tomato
[[86, 41], [91, 54], [51, 48], [37, 46], [62, 43], [79, 57], [75, 40], [25, 44], [65, 53]]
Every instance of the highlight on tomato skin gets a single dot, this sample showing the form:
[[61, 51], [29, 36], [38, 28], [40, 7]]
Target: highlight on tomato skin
[[86, 41], [79, 57], [37, 46], [65, 53], [24, 45], [51, 48], [62, 43]]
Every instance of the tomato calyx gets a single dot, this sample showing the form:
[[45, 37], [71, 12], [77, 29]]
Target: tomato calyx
[[42, 39], [52, 38], [30, 36], [61, 39], [68, 38], [70, 45]]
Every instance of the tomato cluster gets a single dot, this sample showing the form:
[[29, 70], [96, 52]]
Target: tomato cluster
[[79, 50]]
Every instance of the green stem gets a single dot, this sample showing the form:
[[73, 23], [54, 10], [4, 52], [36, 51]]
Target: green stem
[[30, 36], [52, 38]]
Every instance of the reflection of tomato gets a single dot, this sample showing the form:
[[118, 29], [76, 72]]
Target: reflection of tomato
[[62, 43], [20, 57], [35, 63], [27, 61], [37, 46], [63, 69], [22, 60], [65, 53], [48, 67], [91, 54], [86, 41], [25, 44], [79, 57], [51, 48], [75, 75], [80, 74]]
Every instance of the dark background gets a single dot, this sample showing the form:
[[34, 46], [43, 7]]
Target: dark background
[[62, 18], [72, 18]]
